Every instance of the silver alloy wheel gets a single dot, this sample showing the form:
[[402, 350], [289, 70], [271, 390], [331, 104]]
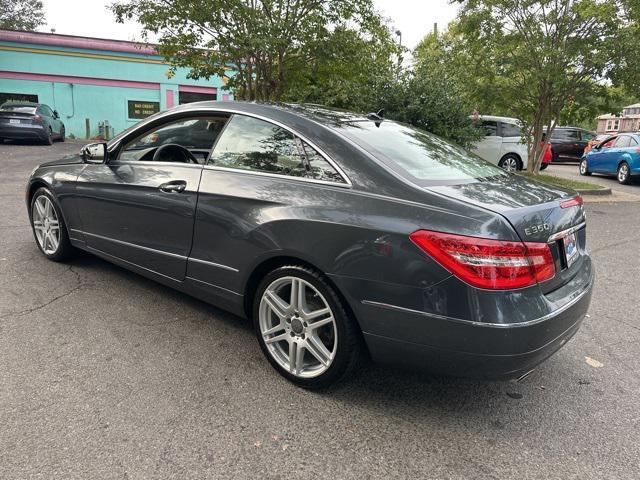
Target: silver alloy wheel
[[298, 327], [583, 167], [510, 164], [46, 224], [623, 172]]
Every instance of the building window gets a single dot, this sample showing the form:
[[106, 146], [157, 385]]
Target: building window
[[18, 97], [190, 97]]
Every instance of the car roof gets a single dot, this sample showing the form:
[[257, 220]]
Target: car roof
[[499, 119]]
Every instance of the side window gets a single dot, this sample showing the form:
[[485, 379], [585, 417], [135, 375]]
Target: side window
[[319, 168], [622, 142], [510, 130], [195, 134], [573, 134], [47, 111], [633, 142], [491, 128], [588, 136], [252, 144]]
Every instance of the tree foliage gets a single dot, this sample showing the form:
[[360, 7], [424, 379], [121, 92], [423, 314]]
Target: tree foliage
[[21, 14], [268, 42], [542, 56]]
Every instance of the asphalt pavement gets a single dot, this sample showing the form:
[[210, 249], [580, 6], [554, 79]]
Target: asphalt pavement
[[570, 170], [104, 374]]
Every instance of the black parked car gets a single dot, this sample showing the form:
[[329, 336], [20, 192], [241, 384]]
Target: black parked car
[[340, 235], [568, 143], [30, 121]]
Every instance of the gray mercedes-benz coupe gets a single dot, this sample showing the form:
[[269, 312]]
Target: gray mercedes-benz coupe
[[341, 236]]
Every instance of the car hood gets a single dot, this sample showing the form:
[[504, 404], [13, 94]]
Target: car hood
[[533, 209], [72, 159]]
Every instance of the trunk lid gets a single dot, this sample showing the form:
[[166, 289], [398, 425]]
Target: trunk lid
[[534, 211], [9, 117]]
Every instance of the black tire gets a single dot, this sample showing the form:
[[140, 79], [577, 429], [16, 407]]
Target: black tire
[[624, 178], [510, 160], [584, 168], [544, 166], [63, 134], [65, 250], [49, 139], [350, 351]]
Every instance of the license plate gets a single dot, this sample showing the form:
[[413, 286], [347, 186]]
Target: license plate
[[570, 249], [14, 121]]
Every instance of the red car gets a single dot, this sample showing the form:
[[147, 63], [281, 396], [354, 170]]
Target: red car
[[547, 157]]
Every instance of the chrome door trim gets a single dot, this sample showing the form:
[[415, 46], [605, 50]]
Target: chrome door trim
[[213, 264], [128, 244], [275, 175]]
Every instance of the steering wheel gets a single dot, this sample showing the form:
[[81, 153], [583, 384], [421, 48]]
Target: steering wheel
[[175, 153]]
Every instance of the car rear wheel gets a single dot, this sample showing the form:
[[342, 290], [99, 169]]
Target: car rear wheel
[[62, 134], [584, 167], [510, 163], [544, 166], [624, 173], [304, 329], [49, 139], [48, 226]]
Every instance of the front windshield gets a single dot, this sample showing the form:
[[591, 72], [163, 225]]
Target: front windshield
[[419, 154]]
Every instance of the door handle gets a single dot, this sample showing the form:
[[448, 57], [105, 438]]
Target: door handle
[[176, 186]]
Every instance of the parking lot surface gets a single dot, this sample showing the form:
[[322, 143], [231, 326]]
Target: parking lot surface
[[570, 170], [104, 374]]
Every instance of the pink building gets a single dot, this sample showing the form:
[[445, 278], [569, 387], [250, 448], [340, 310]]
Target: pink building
[[629, 121]]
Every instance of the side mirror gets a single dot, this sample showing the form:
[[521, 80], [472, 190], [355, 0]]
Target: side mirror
[[94, 153], [55, 114]]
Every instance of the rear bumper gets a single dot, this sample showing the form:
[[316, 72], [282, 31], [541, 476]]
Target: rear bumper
[[23, 132], [477, 350]]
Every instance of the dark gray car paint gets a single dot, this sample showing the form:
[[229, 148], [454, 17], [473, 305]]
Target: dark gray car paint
[[358, 235]]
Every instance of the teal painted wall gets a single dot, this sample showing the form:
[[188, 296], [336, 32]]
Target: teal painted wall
[[77, 102]]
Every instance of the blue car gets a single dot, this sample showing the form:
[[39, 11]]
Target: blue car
[[617, 155]]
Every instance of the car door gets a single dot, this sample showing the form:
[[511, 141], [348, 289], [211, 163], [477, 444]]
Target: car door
[[612, 159], [598, 156], [139, 208], [490, 146], [51, 119]]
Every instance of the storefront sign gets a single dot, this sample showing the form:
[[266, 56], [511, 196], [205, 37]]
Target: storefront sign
[[141, 109]]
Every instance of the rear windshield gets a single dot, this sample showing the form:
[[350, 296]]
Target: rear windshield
[[18, 108], [418, 154]]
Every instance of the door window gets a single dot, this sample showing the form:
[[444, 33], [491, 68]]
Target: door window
[[490, 128], [195, 134], [623, 142], [510, 130], [252, 144]]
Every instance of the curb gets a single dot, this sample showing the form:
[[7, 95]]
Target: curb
[[591, 191]]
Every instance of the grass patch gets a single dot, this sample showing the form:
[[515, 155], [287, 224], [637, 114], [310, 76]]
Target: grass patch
[[562, 182]]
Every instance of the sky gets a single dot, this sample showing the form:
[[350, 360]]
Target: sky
[[414, 18]]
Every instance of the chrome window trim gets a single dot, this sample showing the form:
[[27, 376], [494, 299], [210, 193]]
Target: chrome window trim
[[557, 236], [276, 175], [233, 111]]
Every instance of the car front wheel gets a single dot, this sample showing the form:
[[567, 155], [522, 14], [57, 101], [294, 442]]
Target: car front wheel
[[584, 167], [624, 173], [304, 329], [48, 226]]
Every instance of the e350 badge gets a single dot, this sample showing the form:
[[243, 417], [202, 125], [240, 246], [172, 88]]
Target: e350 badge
[[532, 230]]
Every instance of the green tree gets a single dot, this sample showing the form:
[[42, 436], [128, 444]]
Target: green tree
[[21, 14], [545, 54], [266, 41]]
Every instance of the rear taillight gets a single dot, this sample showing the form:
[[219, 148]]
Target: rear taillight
[[574, 202], [37, 118], [485, 263]]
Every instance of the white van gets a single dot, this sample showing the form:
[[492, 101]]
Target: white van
[[502, 144]]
